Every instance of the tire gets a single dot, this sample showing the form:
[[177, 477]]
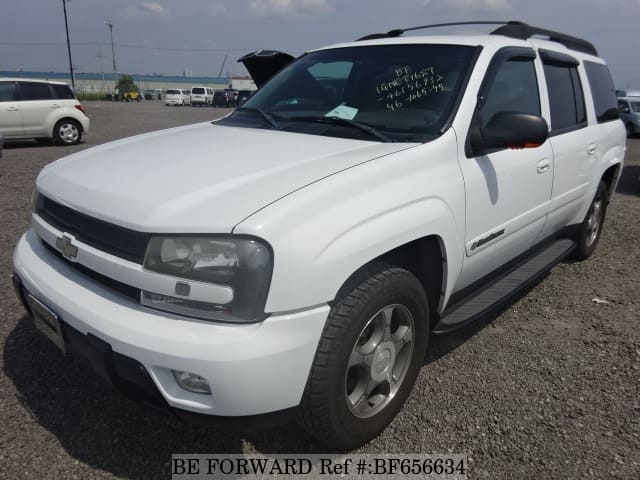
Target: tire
[[376, 334], [590, 229], [630, 130], [67, 132]]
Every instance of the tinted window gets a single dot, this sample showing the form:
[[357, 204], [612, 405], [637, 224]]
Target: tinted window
[[514, 89], [173, 92], [63, 92], [7, 92], [603, 92], [197, 91], [635, 107], [565, 96], [35, 91]]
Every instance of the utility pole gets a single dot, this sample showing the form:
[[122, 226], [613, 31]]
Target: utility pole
[[66, 27], [100, 56], [113, 51]]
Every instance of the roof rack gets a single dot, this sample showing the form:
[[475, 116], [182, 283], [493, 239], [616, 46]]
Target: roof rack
[[512, 29]]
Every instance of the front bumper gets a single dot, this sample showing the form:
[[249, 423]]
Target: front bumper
[[251, 369]]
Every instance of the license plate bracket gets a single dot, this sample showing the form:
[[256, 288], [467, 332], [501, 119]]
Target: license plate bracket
[[46, 321]]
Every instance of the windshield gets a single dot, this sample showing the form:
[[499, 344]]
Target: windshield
[[197, 90], [405, 92], [635, 107]]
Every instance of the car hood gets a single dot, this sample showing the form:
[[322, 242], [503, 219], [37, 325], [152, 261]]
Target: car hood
[[200, 178]]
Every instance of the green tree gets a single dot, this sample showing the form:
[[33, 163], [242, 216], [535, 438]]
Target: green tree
[[126, 84]]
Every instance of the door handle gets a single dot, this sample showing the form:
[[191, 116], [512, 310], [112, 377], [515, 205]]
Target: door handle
[[55, 105], [591, 149], [543, 166], [12, 109]]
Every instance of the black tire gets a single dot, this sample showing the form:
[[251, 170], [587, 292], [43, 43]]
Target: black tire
[[67, 132], [630, 131], [326, 410], [586, 238]]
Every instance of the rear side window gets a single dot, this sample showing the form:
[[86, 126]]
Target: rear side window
[[603, 92], [566, 98], [62, 92], [514, 89], [7, 92], [35, 91]]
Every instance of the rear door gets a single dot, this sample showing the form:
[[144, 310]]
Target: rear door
[[38, 105], [507, 191], [10, 112], [569, 136]]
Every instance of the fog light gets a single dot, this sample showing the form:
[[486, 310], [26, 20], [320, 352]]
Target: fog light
[[192, 382]]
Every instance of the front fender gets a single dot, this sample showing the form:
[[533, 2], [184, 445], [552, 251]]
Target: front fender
[[325, 232]]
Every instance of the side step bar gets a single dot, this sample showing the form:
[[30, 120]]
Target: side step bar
[[504, 287]]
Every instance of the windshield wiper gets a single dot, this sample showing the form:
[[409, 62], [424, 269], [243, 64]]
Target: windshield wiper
[[345, 121], [267, 116]]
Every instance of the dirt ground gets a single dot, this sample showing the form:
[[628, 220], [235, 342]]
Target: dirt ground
[[549, 388]]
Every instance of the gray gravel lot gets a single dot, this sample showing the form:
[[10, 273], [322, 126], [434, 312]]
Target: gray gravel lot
[[547, 389]]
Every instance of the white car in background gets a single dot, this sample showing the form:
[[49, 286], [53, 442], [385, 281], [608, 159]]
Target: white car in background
[[42, 110], [176, 97], [201, 96]]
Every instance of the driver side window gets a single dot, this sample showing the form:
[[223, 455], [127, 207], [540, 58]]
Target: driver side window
[[514, 89]]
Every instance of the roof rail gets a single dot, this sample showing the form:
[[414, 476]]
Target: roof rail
[[524, 31], [512, 29]]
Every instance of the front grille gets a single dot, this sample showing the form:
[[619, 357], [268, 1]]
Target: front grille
[[128, 291], [104, 236]]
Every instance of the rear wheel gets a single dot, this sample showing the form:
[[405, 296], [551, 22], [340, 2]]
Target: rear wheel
[[67, 132], [368, 358], [590, 229]]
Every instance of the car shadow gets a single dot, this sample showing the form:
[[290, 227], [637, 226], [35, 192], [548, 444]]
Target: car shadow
[[99, 427], [15, 144], [629, 183]]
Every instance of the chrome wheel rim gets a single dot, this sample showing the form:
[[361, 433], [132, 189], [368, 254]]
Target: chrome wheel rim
[[68, 133], [593, 222], [379, 360]]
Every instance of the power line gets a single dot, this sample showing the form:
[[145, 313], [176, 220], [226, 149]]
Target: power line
[[125, 45]]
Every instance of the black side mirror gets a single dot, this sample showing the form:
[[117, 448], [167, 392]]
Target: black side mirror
[[512, 130]]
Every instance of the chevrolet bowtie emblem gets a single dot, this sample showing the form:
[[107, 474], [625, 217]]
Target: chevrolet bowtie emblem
[[68, 251]]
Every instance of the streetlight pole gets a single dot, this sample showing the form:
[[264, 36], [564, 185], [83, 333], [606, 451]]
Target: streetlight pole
[[113, 51], [66, 27]]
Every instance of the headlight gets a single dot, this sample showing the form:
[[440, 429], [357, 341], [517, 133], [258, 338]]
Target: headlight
[[244, 264]]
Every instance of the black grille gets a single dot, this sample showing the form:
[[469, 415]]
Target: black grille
[[128, 291], [109, 238]]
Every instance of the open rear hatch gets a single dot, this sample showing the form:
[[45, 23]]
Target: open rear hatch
[[264, 64]]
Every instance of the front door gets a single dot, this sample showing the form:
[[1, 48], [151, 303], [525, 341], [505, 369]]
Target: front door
[[507, 191]]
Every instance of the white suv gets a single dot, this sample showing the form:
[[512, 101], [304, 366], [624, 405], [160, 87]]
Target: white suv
[[369, 195], [40, 109]]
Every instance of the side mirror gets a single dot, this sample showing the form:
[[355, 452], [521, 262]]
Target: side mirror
[[512, 130]]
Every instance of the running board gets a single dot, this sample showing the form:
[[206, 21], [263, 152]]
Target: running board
[[504, 287]]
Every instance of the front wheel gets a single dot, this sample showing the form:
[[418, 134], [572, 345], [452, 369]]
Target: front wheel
[[368, 358], [67, 132], [590, 229]]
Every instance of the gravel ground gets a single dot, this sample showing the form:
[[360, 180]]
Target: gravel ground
[[547, 389]]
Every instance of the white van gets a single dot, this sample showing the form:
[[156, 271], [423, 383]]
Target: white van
[[41, 109], [201, 96]]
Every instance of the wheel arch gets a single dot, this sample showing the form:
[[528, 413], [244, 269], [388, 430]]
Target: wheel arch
[[610, 177], [68, 118], [426, 258]]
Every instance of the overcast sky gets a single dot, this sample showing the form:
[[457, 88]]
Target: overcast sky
[[169, 36]]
